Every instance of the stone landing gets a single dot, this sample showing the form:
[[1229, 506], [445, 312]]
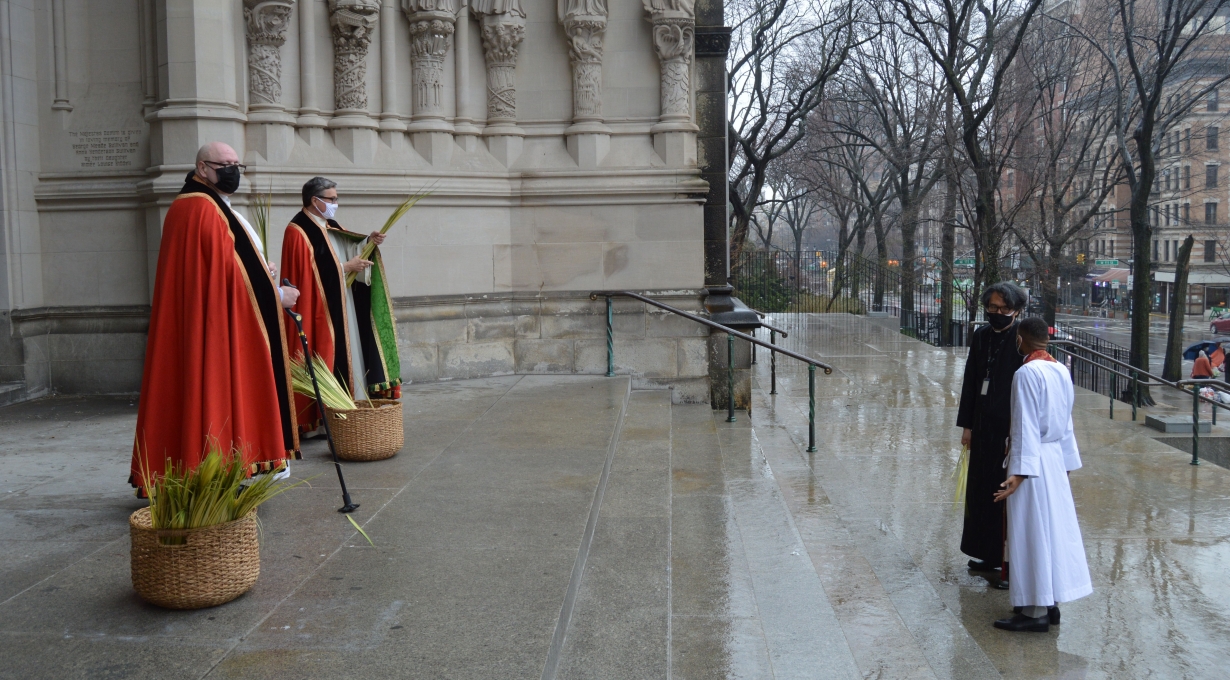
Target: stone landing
[[571, 527]]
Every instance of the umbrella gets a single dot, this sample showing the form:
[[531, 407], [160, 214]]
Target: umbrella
[[1194, 351]]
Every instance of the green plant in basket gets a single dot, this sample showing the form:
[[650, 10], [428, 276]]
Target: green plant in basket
[[214, 492]]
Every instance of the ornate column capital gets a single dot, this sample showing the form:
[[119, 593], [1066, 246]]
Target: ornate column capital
[[431, 37], [584, 24], [353, 23], [265, 23], [674, 38], [503, 29]]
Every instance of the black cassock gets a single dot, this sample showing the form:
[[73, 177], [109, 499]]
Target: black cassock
[[994, 357]]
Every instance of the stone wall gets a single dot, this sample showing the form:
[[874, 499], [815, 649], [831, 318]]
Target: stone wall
[[561, 159], [451, 337]]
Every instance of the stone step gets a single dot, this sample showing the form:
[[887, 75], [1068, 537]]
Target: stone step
[[619, 624], [12, 392]]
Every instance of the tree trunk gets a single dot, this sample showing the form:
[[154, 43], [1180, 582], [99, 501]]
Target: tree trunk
[[948, 254], [909, 253], [1048, 281], [1173, 368], [1142, 240]]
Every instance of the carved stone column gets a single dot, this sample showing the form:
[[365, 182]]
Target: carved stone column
[[503, 29], [353, 24], [584, 24], [432, 23], [674, 37], [270, 132]]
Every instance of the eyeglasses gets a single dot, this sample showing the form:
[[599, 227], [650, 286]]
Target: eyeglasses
[[995, 309], [327, 199], [217, 166]]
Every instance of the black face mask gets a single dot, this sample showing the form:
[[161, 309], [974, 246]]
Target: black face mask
[[1000, 321], [228, 178]]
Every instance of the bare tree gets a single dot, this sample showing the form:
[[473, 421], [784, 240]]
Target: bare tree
[[974, 43], [1150, 51], [900, 90], [1061, 164], [783, 54]]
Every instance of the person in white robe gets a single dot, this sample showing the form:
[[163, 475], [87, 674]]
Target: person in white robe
[[1044, 538]]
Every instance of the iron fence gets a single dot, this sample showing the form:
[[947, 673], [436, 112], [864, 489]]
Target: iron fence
[[820, 281]]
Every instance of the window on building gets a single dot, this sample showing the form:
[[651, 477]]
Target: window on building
[[1187, 213], [1210, 251], [1166, 213], [1155, 247], [1167, 179], [1187, 140], [1174, 139], [1166, 249], [1153, 215], [1210, 138], [1187, 176], [1111, 250], [1011, 179], [1210, 213], [1210, 176], [1211, 104]]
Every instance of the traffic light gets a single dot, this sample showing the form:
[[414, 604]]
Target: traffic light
[[1080, 258]]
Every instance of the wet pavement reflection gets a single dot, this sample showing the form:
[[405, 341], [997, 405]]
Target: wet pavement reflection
[[875, 509]]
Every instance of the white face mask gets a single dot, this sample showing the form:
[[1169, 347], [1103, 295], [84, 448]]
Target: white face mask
[[330, 209]]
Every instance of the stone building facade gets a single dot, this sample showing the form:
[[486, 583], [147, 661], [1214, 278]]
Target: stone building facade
[[559, 139]]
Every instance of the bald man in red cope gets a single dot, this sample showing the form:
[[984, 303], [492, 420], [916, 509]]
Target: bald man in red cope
[[216, 363]]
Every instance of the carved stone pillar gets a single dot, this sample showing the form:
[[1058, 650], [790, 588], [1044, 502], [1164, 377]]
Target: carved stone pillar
[[353, 23], [503, 29], [674, 37], [270, 132], [432, 23], [584, 24]]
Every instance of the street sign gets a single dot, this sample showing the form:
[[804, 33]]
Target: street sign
[[1131, 280], [1114, 284], [963, 262], [1106, 263]]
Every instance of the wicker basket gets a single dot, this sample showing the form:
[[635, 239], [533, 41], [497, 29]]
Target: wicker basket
[[368, 433], [193, 568]]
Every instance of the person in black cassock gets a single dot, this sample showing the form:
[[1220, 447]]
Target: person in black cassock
[[985, 414]]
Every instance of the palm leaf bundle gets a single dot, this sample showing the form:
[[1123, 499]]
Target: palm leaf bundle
[[396, 215], [332, 392], [211, 493], [962, 474], [262, 208]]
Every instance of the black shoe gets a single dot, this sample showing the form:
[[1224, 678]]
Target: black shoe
[[980, 565], [1052, 613], [1019, 623], [1000, 585]]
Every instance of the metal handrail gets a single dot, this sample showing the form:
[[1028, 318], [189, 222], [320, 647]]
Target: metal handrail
[[731, 334], [828, 370], [1196, 383]]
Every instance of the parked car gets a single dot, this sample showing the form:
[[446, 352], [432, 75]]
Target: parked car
[[1035, 305], [1220, 326]]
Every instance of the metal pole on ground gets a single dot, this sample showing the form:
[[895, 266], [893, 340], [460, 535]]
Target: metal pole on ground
[[1195, 424], [772, 363], [753, 334], [811, 408], [730, 377], [1114, 387], [1135, 393], [610, 339]]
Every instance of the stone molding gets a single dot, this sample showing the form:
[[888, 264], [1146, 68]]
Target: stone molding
[[353, 24], [674, 37], [73, 320], [584, 24], [712, 41], [266, 22], [432, 24]]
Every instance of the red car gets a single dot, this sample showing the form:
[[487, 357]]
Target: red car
[[1220, 326]]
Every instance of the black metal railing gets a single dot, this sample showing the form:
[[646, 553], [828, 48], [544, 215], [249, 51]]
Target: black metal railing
[[1092, 375], [731, 334], [1071, 353]]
